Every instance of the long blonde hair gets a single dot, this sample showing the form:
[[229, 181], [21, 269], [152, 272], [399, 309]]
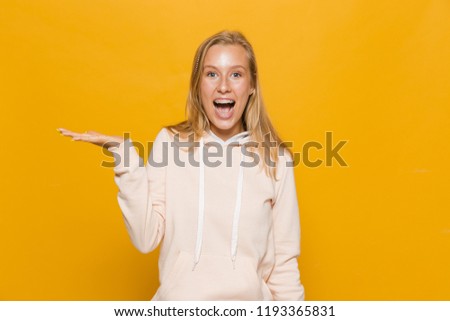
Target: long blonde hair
[[254, 119]]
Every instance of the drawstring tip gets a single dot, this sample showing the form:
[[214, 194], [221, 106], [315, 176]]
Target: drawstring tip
[[234, 263], [193, 267]]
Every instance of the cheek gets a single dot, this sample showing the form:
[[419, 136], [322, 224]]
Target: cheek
[[207, 88], [206, 100], [243, 89]]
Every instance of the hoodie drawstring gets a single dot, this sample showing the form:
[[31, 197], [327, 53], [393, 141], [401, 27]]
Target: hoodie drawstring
[[201, 210], [237, 212], [201, 206]]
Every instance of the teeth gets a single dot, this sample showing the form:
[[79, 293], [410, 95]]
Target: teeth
[[224, 101]]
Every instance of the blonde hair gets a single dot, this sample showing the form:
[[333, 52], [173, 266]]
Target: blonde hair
[[254, 119]]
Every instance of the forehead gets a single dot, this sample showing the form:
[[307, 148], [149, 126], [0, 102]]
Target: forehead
[[226, 56]]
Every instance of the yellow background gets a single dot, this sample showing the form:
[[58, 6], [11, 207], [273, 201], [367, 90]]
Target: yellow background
[[375, 73]]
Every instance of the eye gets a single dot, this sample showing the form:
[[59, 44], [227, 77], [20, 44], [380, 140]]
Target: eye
[[211, 74], [236, 74]]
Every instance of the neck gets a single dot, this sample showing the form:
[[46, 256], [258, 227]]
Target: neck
[[226, 134]]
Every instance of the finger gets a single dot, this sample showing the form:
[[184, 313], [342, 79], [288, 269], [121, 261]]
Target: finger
[[99, 140], [76, 136], [94, 133], [66, 132], [90, 138]]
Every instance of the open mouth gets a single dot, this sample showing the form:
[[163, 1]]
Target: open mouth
[[224, 103], [224, 108]]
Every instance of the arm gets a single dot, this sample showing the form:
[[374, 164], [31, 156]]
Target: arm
[[284, 281], [141, 193]]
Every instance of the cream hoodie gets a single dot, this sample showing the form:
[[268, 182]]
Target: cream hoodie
[[227, 232]]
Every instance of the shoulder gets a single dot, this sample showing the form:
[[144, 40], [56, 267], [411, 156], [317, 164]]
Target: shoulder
[[285, 162], [161, 137], [171, 138], [178, 134], [168, 134], [163, 134]]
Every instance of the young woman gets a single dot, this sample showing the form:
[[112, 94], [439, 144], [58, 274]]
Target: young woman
[[215, 194]]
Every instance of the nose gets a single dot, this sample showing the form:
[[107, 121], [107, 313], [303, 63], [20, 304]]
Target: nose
[[224, 86]]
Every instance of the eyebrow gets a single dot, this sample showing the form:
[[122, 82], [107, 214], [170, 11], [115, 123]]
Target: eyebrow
[[235, 66]]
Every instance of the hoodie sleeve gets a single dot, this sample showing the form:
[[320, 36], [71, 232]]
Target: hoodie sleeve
[[284, 281], [141, 192]]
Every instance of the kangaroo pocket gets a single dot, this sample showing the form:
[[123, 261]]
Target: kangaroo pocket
[[214, 278]]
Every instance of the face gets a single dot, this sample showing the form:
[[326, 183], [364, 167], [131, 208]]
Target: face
[[225, 88]]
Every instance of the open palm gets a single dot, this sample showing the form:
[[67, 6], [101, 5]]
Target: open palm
[[93, 137]]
